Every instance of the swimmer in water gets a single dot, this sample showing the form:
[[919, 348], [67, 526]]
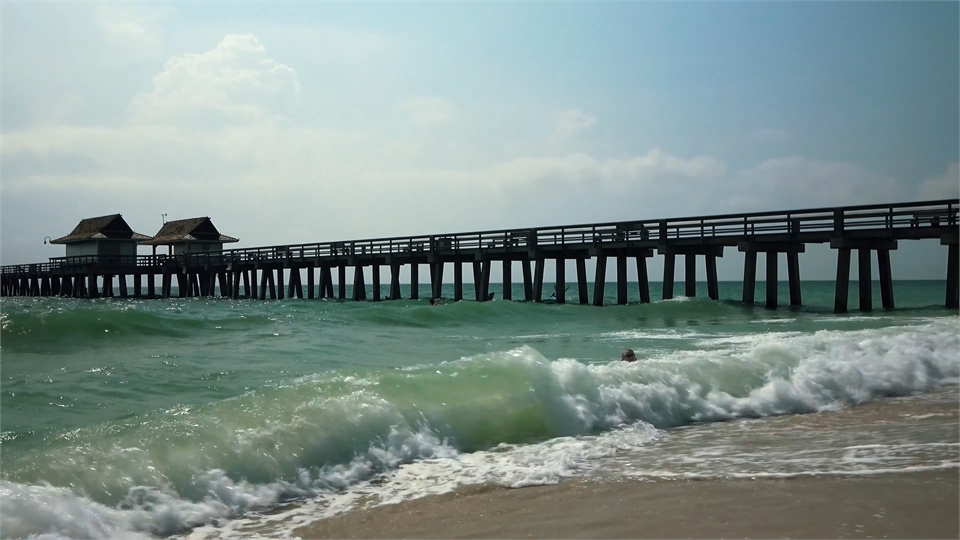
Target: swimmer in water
[[628, 356]]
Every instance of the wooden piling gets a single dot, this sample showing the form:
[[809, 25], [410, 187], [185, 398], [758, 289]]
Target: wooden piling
[[311, 272], [560, 285], [866, 282], [394, 281], [507, 292], [415, 281], [886, 278], [793, 275], [772, 280], [527, 280], [690, 275], [843, 280], [582, 281], [750, 277], [621, 279], [953, 277], [669, 268], [538, 279], [713, 287], [457, 281], [359, 288], [600, 276], [375, 271]]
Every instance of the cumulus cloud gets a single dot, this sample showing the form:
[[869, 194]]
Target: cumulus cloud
[[233, 82], [251, 172], [945, 186], [428, 110], [570, 122]]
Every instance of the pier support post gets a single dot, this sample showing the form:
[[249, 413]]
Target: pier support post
[[772, 281], [394, 280], [713, 287], [600, 276], [137, 288], [771, 251], [886, 278], [359, 287], [342, 281], [299, 288], [457, 281], [953, 277], [263, 285], [280, 283], [327, 273], [485, 279], [582, 281], [538, 280], [436, 279], [92, 290], [507, 280], [123, 285], [865, 281], [477, 280], [690, 275], [415, 281], [669, 268], [310, 282], [253, 283], [793, 275], [375, 269], [273, 285], [561, 280], [749, 277], [621, 279], [843, 281], [643, 281], [527, 280], [843, 246]]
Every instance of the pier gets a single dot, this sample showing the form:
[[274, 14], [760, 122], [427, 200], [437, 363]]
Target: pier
[[259, 272]]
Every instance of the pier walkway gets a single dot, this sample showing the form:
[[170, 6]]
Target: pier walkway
[[259, 272]]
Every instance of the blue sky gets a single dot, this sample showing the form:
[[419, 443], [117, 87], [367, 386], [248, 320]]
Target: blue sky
[[297, 122]]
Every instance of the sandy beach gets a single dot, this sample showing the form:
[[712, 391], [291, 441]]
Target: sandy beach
[[906, 505]]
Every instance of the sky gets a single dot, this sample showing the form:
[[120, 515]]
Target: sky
[[307, 122]]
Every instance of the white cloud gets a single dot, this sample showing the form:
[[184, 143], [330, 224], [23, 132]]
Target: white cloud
[[570, 122], [233, 82], [428, 110], [271, 181], [945, 186]]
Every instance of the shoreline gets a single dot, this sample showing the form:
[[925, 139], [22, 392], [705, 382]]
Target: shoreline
[[893, 505]]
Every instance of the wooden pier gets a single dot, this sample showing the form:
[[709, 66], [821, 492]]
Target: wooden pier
[[259, 272]]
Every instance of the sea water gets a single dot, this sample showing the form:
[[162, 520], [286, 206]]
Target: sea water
[[199, 417]]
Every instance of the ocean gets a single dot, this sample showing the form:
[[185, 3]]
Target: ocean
[[212, 418]]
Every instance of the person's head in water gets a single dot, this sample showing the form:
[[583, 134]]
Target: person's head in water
[[628, 356], [433, 302]]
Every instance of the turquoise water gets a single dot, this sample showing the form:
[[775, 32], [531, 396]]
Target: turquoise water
[[124, 417]]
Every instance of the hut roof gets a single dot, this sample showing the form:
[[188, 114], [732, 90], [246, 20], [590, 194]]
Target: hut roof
[[112, 227], [199, 229]]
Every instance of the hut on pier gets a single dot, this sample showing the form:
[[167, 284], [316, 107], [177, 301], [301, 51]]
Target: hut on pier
[[189, 235], [102, 236]]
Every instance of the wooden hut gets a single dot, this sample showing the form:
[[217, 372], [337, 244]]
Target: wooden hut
[[102, 236], [189, 235]]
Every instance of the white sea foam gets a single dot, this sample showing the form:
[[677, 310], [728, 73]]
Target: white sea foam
[[597, 412]]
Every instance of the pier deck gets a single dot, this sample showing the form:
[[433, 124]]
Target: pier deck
[[866, 229]]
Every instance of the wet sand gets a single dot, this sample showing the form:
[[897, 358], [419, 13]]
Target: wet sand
[[902, 505]]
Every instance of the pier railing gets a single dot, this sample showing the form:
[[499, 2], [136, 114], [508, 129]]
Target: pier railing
[[835, 221]]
